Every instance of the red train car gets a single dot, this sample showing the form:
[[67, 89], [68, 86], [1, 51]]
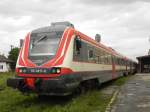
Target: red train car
[[58, 60]]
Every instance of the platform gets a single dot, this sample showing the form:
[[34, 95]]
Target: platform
[[134, 96]]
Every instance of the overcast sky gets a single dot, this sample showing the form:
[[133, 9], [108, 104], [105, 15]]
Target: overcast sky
[[123, 24]]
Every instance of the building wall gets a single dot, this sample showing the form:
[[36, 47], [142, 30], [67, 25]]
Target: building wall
[[4, 67], [144, 64]]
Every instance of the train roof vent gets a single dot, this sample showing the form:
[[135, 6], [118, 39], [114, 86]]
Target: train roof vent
[[64, 24], [98, 37]]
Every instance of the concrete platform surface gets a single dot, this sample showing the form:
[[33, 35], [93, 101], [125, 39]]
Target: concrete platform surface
[[134, 96]]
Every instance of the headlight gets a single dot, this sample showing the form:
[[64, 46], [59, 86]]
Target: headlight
[[22, 70], [55, 70], [58, 70]]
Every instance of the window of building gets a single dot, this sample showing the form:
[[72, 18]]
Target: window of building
[[1, 67]]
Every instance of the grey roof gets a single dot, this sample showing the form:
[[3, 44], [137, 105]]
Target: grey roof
[[142, 57], [55, 27], [4, 59]]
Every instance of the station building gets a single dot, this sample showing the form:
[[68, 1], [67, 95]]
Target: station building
[[144, 63], [5, 64]]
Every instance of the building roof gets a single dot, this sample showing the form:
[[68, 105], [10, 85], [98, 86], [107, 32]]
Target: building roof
[[4, 59], [141, 57]]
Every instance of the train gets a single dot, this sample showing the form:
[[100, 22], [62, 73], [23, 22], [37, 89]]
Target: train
[[60, 60]]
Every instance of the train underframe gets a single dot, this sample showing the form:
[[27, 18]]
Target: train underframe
[[64, 84]]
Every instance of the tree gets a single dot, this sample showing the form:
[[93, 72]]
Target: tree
[[13, 55]]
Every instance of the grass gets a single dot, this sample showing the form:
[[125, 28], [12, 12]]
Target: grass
[[3, 78], [13, 101], [121, 81]]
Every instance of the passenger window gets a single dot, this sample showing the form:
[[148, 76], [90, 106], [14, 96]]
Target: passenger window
[[105, 58], [109, 59], [97, 59], [102, 57], [90, 54]]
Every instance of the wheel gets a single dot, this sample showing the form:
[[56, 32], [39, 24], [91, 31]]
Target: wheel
[[80, 90], [41, 97], [124, 74]]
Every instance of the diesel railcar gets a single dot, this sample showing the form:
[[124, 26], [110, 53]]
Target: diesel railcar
[[58, 60]]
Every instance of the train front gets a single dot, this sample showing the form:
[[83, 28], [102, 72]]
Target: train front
[[38, 68]]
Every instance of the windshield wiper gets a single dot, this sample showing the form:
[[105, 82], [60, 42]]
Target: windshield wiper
[[40, 39]]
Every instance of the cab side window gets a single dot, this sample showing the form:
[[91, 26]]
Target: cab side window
[[77, 45], [77, 49]]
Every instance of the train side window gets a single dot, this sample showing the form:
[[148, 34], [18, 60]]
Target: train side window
[[118, 61], [99, 55], [108, 62], [121, 62], [97, 59], [105, 58], [90, 54], [124, 62], [102, 57], [115, 60], [109, 59]]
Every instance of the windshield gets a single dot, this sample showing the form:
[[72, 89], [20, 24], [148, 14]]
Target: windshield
[[43, 46]]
